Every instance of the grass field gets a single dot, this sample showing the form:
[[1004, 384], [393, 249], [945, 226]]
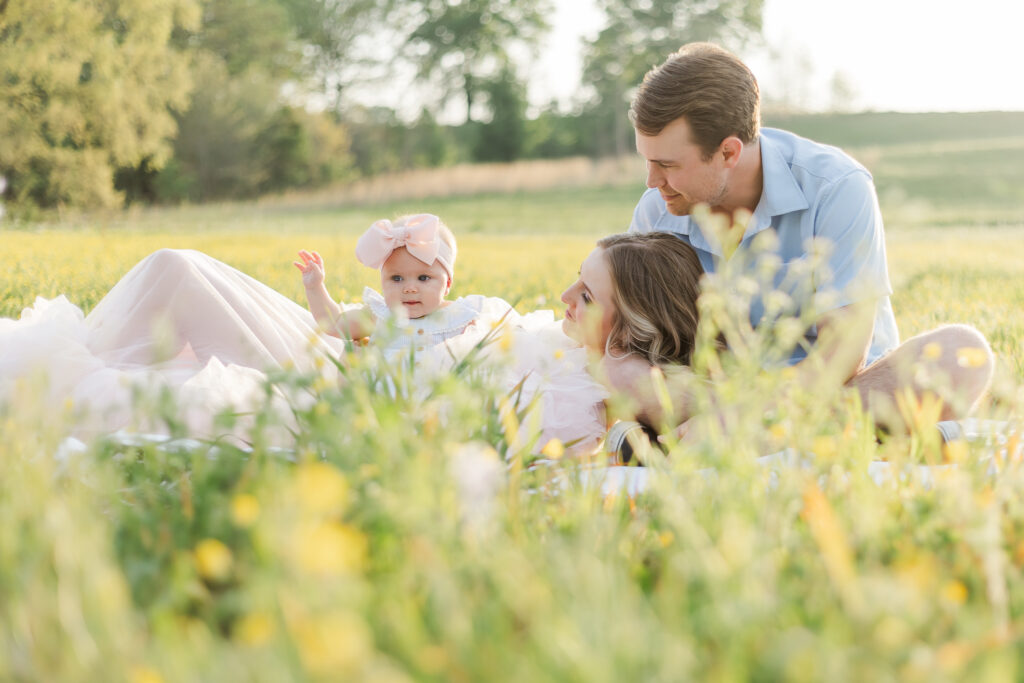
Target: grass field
[[392, 547]]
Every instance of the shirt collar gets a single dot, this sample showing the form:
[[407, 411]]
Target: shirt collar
[[780, 194]]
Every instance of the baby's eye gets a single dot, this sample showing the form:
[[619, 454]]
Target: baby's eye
[[396, 278], [424, 278]]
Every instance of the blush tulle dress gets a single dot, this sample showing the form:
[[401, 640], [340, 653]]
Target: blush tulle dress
[[186, 324]]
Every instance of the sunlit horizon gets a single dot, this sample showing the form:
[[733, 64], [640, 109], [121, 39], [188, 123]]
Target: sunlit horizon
[[895, 55]]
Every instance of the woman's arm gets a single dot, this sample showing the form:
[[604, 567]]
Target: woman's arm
[[631, 376]]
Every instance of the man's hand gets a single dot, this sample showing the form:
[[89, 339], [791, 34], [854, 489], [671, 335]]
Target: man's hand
[[844, 337]]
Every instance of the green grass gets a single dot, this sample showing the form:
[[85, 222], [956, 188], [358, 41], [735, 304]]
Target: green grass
[[366, 555]]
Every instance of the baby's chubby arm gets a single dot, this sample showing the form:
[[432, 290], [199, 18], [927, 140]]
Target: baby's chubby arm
[[352, 324]]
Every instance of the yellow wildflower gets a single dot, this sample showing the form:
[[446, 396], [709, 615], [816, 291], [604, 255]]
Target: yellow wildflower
[[955, 592], [932, 351], [955, 451], [333, 644], [505, 344], [321, 488], [213, 559], [144, 674], [825, 447], [255, 628], [329, 548], [245, 509], [971, 357], [553, 449]]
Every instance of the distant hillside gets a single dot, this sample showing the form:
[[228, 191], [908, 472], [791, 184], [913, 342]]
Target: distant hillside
[[932, 168], [888, 128]]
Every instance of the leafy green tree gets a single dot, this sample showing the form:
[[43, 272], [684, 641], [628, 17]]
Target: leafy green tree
[[87, 86], [217, 150], [247, 35], [464, 45], [503, 137], [641, 33], [238, 136], [329, 32]]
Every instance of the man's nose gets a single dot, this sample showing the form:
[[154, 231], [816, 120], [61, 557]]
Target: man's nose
[[654, 176]]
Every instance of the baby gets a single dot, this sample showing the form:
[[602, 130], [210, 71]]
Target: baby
[[416, 258]]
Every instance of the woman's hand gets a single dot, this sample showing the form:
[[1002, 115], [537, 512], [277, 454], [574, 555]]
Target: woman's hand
[[312, 267]]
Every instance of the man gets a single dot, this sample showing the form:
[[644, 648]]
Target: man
[[697, 123]]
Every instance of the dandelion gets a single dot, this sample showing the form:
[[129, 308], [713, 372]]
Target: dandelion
[[213, 559], [144, 674], [665, 538], [932, 351], [971, 357], [505, 344], [825, 447], [245, 509], [321, 488], [955, 451], [332, 644], [955, 592], [553, 449], [559, 354], [255, 628], [329, 548]]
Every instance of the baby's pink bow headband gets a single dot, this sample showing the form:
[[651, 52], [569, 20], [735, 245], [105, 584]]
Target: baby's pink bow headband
[[419, 234]]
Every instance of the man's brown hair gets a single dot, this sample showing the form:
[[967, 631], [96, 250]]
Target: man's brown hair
[[708, 85]]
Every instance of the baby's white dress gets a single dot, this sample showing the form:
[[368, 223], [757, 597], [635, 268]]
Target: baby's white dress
[[185, 322], [531, 352]]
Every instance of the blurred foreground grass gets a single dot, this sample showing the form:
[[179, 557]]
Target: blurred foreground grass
[[396, 545]]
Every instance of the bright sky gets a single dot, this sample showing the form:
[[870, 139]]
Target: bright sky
[[901, 55]]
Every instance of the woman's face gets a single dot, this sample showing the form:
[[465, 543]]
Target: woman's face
[[589, 311]]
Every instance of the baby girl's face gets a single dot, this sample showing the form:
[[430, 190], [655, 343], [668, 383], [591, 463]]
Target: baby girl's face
[[412, 285]]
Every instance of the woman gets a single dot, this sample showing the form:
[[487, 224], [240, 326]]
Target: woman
[[635, 304], [183, 320]]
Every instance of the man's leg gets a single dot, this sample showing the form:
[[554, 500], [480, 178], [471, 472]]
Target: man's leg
[[952, 362]]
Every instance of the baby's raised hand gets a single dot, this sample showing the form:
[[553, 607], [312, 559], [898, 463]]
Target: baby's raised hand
[[312, 267]]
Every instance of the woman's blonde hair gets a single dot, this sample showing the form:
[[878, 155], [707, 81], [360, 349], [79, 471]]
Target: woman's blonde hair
[[655, 285]]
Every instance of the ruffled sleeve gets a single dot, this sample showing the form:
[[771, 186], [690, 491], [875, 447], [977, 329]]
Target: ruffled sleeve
[[375, 302]]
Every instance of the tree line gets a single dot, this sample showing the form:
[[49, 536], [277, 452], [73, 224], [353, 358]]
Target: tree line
[[104, 102]]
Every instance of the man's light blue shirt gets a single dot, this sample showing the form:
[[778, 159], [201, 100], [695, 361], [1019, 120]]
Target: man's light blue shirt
[[812, 192]]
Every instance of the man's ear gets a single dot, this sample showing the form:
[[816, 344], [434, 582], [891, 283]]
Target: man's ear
[[731, 148]]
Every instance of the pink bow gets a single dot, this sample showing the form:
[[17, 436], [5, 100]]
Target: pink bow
[[419, 234]]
